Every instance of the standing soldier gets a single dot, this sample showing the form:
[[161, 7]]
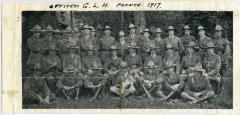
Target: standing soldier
[[72, 60], [51, 67], [212, 63], [122, 45], [64, 42], [197, 87], [223, 49], [105, 44], [146, 44], [187, 38], [35, 89], [173, 57], [133, 38], [203, 40], [95, 37], [36, 46], [49, 39], [191, 58], [112, 65], [134, 60], [160, 42], [174, 41], [86, 41], [94, 78]]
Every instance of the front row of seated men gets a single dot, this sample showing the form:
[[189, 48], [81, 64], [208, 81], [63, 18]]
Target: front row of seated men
[[194, 86]]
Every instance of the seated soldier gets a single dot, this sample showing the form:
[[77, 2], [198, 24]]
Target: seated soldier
[[172, 82], [35, 89], [51, 67], [172, 56], [197, 87], [124, 83], [112, 65], [94, 77], [151, 81], [70, 82], [72, 60], [134, 60], [191, 58], [212, 65], [157, 60]]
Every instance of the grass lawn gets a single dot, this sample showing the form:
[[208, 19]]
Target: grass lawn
[[223, 101]]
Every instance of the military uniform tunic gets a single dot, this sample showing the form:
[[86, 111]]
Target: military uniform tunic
[[186, 39], [160, 43], [134, 61], [105, 44], [170, 80], [175, 42], [175, 58], [89, 63], [196, 84], [123, 49], [212, 63], [33, 87], [37, 48], [71, 61], [190, 60], [145, 46], [158, 61], [87, 42], [222, 50]]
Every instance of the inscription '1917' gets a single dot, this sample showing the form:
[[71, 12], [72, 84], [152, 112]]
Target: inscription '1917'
[[154, 5]]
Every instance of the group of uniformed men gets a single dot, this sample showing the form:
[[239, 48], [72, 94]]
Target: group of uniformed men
[[143, 65]]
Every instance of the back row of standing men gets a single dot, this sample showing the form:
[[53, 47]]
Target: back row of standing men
[[80, 53]]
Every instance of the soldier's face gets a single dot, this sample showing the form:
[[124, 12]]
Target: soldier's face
[[49, 34], [90, 52], [187, 32], [158, 35], [153, 52], [170, 51], [132, 51], [93, 33], [201, 32], [197, 73], [170, 32], [107, 32], [210, 50], [190, 50], [114, 53], [37, 34], [86, 31], [52, 52], [150, 71], [132, 30], [170, 69], [218, 33], [72, 51], [122, 39], [146, 34]]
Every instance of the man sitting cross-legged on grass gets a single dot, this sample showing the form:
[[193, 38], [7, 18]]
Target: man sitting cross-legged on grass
[[124, 83], [152, 81], [70, 82], [197, 87], [35, 88], [172, 82], [95, 78]]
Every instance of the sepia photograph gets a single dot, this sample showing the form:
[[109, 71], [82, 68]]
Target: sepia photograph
[[127, 59]]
